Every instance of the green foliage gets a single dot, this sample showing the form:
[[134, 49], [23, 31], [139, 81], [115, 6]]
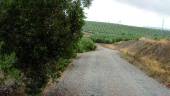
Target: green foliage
[[40, 32], [59, 67], [85, 44], [62, 64], [7, 68], [110, 33]]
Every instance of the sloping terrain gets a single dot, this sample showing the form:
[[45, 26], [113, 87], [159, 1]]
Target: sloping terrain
[[150, 55], [102, 32]]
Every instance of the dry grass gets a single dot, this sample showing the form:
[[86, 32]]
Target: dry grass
[[151, 56], [110, 46]]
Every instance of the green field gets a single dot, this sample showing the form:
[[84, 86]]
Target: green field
[[109, 33]]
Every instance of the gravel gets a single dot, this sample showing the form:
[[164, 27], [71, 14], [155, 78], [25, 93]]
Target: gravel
[[104, 73]]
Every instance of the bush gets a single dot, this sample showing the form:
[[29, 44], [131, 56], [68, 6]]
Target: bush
[[85, 44], [62, 64], [10, 76], [40, 32], [7, 68]]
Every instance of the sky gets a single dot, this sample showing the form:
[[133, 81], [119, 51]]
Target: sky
[[142, 13]]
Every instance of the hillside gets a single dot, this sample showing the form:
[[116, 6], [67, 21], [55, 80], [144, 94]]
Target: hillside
[[109, 33]]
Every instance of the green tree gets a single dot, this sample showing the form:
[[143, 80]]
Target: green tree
[[38, 32]]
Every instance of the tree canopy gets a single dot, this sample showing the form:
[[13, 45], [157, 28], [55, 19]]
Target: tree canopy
[[40, 32]]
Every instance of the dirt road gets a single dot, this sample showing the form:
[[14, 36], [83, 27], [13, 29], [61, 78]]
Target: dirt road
[[104, 73]]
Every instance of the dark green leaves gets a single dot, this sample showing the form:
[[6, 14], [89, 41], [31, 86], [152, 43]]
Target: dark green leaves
[[39, 32]]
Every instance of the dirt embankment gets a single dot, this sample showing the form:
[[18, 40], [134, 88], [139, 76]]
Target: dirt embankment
[[149, 55]]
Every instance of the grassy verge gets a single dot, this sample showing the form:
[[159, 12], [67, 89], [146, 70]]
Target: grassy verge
[[151, 67], [85, 44], [150, 56]]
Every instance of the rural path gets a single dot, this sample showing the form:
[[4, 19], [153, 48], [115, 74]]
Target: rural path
[[104, 73]]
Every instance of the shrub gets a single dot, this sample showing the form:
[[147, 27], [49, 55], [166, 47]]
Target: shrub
[[7, 68], [40, 32], [10, 77], [85, 44]]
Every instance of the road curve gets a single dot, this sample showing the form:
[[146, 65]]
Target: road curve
[[104, 73]]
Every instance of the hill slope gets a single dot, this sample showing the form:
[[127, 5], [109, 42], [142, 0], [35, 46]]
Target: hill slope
[[108, 33]]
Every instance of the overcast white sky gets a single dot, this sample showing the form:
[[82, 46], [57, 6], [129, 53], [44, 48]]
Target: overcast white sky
[[147, 13]]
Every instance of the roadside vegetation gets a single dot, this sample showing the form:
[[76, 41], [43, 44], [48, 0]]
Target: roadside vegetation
[[102, 32], [85, 44], [10, 77], [38, 39], [148, 49], [149, 55]]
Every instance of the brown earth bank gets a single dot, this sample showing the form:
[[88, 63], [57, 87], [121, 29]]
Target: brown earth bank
[[151, 56]]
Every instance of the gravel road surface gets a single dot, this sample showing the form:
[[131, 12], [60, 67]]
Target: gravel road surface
[[104, 73]]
